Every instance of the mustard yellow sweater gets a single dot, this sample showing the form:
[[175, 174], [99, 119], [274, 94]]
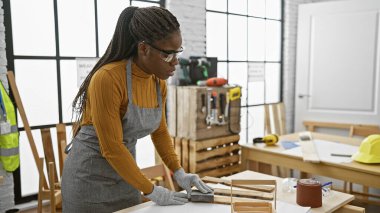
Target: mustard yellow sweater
[[106, 105]]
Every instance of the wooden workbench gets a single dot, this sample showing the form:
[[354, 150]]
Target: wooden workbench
[[366, 174], [336, 200]]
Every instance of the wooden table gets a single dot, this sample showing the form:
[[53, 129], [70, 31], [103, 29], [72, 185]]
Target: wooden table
[[366, 174], [336, 200]]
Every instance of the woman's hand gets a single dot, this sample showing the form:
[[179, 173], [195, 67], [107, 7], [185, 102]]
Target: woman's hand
[[187, 181], [165, 197]]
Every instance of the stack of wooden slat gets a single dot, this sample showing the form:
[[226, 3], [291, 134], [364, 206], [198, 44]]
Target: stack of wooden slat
[[211, 157]]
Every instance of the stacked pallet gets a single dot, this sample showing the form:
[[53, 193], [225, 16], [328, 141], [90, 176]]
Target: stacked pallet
[[203, 148], [215, 157]]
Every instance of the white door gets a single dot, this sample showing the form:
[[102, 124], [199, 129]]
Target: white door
[[338, 63]]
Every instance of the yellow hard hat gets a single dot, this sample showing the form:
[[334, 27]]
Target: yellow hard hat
[[369, 150]]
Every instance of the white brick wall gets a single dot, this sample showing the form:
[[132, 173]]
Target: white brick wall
[[192, 17], [6, 189]]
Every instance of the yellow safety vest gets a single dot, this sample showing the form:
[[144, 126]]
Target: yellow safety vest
[[9, 141]]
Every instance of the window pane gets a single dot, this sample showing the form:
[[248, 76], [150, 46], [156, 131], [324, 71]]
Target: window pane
[[37, 84], [273, 42], [256, 78], [28, 169], [243, 125], [255, 122], [216, 27], [238, 75], [237, 38], [272, 82], [222, 70], [33, 27], [69, 87], [144, 4], [219, 5], [76, 28], [108, 13], [256, 39], [256, 8], [238, 6], [273, 9]]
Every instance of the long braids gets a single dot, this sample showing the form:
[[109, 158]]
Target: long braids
[[134, 25]]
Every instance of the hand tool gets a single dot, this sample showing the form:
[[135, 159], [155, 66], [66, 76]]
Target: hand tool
[[269, 140], [235, 93], [208, 117], [216, 82], [222, 105], [197, 196], [203, 99]]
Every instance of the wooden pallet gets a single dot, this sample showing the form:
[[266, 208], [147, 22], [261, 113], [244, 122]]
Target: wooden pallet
[[212, 157]]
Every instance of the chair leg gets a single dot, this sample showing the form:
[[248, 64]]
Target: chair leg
[[40, 187], [52, 187]]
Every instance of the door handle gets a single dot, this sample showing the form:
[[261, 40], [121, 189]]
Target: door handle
[[303, 95]]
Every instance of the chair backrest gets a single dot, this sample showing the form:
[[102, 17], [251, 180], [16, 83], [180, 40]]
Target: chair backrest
[[159, 171], [354, 129], [275, 119], [357, 130]]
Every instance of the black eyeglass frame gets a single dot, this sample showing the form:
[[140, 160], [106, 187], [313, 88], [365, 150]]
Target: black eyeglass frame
[[168, 52]]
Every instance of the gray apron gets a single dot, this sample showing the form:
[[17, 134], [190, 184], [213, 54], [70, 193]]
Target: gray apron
[[89, 183]]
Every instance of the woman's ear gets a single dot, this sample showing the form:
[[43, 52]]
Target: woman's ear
[[142, 49]]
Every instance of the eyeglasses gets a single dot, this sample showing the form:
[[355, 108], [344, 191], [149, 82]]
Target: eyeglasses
[[167, 55]]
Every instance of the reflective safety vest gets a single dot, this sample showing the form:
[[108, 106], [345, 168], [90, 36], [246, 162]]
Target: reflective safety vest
[[9, 137]]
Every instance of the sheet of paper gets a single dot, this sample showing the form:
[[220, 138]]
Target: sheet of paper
[[282, 207], [326, 148]]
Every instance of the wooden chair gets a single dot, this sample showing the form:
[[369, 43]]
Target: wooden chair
[[275, 119], [45, 192], [274, 124]]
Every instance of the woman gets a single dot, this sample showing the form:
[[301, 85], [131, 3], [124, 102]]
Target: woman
[[121, 100]]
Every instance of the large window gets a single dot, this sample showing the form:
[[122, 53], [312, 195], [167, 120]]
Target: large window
[[44, 38], [246, 36]]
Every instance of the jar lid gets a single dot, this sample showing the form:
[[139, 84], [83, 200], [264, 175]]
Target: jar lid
[[310, 182]]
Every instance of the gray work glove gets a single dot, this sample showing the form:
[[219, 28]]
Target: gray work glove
[[187, 181], [165, 197]]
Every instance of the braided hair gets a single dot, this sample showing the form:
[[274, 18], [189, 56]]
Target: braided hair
[[134, 25]]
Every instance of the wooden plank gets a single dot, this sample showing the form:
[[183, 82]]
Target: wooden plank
[[220, 172], [48, 150], [350, 209], [204, 144], [212, 163], [281, 110], [276, 119], [209, 179], [62, 142], [52, 178], [178, 148], [335, 125], [309, 152], [244, 193], [268, 128], [216, 162], [217, 152], [171, 107], [227, 199], [185, 154], [28, 130], [192, 157]]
